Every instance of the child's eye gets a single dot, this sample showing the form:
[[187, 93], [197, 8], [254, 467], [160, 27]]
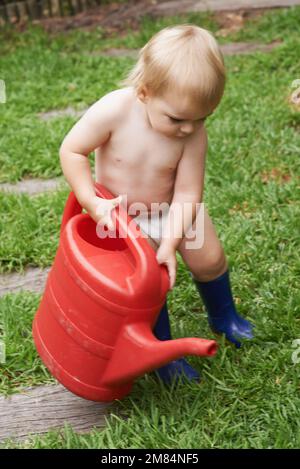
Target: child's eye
[[173, 119]]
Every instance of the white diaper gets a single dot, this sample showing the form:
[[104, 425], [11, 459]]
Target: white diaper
[[152, 224]]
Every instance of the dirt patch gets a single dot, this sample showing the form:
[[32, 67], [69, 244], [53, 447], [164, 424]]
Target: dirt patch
[[232, 22], [275, 174]]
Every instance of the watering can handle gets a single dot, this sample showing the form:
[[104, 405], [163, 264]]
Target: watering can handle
[[141, 250]]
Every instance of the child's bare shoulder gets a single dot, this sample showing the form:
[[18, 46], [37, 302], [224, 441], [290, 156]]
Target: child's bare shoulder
[[98, 122], [112, 105]]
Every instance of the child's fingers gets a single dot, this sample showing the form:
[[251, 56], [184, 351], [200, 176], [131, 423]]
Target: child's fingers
[[172, 275], [107, 221], [108, 216], [116, 201]]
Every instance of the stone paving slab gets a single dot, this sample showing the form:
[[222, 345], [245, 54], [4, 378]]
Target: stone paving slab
[[247, 47], [33, 279], [37, 410], [34, 186], [182, 6], [68, 111], [227, 49]]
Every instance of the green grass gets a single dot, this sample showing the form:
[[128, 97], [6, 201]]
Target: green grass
[[22, 366], [253, 131], [249, 398], [45, 72], [29, 229], [277, 24]]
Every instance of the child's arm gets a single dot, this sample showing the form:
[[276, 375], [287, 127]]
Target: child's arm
[[90, 132], [188, 189]]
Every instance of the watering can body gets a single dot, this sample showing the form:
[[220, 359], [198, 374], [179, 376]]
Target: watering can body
[[93, 327]]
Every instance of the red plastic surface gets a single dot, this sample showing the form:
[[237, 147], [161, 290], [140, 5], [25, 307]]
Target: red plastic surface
[[93, 327]]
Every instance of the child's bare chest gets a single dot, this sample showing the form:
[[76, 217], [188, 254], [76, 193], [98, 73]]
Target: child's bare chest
[[133, 147]]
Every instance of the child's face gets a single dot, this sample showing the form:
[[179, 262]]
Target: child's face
[[172, 115]]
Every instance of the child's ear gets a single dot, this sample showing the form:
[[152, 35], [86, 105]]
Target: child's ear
[[143, 94]]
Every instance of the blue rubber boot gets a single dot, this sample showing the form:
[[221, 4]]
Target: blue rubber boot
[[177, 368], [222, 315]]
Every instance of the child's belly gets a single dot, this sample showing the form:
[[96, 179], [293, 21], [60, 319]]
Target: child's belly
[[145, 188]]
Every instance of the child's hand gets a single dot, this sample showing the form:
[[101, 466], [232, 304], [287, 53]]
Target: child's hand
[[100, 210], [167, 255]]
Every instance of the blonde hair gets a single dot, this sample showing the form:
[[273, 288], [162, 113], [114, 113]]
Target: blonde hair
[[184, 59]]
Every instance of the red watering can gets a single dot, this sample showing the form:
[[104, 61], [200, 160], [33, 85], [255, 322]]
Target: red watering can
[[93, 327]]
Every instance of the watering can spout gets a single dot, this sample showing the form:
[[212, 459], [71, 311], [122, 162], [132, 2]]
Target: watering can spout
[[138, 352]]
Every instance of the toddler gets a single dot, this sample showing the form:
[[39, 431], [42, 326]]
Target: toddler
[[150, 146]]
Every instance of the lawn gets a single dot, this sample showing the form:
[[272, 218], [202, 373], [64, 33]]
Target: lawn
[[248, 398]]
